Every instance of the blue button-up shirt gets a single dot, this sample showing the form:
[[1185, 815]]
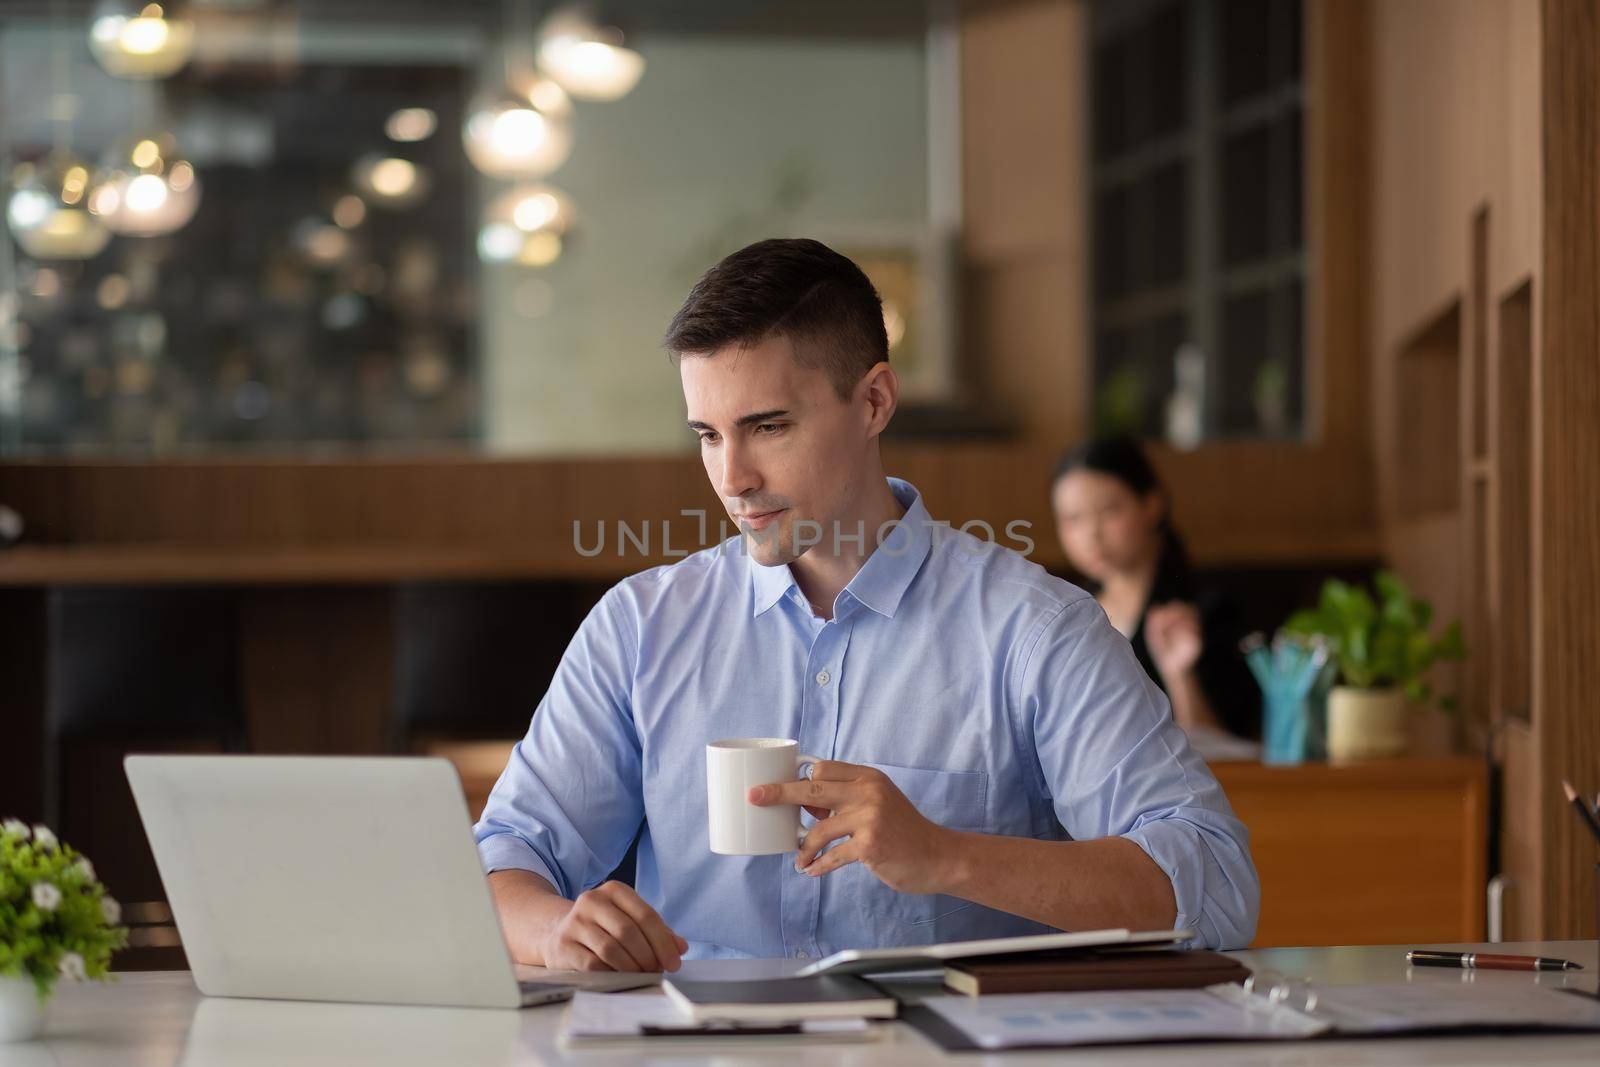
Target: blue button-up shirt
[[996, 697]]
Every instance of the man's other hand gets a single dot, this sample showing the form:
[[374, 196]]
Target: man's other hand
[[611, 928]]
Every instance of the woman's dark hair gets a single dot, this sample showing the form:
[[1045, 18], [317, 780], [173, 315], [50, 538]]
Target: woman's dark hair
[[1124, 460]]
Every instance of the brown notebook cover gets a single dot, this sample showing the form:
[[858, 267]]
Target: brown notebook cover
[[1094, 971]]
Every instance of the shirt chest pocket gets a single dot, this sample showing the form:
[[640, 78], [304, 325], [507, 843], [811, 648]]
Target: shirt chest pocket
[[956, 800]]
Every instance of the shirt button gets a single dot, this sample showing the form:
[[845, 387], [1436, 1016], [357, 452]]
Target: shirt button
[[801, 955], [822, 677]]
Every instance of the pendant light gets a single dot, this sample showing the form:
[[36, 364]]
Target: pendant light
[[390, 180], [520, 129], [48, 209], [587, 59], [526, 224], [141, 39], [47, 203], [147, 189]]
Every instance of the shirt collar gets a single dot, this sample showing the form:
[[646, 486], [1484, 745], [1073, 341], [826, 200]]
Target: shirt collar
[[882, 581]]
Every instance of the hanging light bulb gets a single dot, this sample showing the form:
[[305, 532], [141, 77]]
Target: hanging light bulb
[[527, 224], [391, 181], [519, 134], [411, 124], [586, 59], [48, 209], [141, 38], [147, 188]]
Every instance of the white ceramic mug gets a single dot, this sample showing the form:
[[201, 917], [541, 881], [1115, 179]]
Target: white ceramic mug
[[738, 827]]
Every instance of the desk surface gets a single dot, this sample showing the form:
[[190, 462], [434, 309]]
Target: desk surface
[[159, 1019]]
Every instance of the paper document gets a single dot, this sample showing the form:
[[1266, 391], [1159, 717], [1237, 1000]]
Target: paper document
[[1018, 1020], [1404, 1006], [1229, 1012]]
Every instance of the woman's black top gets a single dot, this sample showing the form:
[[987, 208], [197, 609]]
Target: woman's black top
[[1226, 680]]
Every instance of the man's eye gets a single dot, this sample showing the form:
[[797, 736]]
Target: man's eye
[[768, 428], [708, 438]]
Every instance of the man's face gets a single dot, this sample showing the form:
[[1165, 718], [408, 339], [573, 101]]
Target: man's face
[[780, 447]]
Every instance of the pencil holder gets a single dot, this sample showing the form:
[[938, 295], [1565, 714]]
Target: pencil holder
[[1288, 672], [1285, 719]]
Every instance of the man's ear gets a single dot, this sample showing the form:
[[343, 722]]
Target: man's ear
[[879, 394]]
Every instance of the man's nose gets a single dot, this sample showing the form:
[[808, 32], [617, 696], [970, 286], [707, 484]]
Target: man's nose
[[739, 475]]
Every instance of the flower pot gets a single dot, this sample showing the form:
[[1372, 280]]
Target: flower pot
[[21, 1010], [1365, 723]]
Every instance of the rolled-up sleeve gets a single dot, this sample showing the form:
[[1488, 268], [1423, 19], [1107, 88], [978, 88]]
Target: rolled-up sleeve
[[569, 802], [1116, 765]]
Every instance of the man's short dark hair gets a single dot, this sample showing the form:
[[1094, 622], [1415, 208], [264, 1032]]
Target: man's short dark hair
[[795, 288]]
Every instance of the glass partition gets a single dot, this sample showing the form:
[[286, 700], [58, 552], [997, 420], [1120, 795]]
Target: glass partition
[[359, 225]]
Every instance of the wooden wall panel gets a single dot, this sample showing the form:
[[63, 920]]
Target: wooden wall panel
[[1338, 198], [1456, 222], [1486, 152], [1512, 575], [1024, 104], [1566, 559], [1427, 434], [354, 521]]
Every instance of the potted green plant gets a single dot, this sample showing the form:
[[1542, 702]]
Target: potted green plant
[[1383, 651], [56, 921]]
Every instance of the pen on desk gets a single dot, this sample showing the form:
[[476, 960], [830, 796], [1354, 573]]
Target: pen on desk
[[1583, 809], [1489, 961]]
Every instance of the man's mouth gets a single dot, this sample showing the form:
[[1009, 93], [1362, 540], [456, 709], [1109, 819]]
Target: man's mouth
[[759, 520]]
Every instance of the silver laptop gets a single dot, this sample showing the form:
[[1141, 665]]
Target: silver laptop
[[326, 878]]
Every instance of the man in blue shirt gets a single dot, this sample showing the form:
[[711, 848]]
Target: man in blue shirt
[[995, 762]]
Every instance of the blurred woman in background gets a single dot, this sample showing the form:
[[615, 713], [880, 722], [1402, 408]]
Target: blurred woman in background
[[1112, 519]]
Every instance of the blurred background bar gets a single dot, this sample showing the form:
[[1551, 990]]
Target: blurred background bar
[[329, 352]]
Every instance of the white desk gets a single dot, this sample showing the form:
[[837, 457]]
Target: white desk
[[159, 1020]]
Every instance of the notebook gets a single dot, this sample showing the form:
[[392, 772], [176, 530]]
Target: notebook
[[1285, 1010], [597, 1020], [828, 996], [1091, 970], [925, 957]]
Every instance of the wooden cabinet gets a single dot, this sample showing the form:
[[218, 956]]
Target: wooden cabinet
[[1387, 852]]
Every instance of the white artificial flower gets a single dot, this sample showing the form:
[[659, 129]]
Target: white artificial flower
[[16, 827], [71, 966], [111, 910], [85, 868], [46, 897], [43, 837]]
